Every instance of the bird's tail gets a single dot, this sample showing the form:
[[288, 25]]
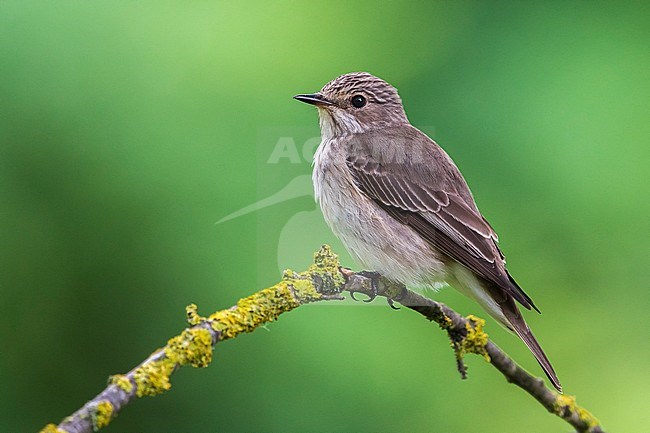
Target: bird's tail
[[516, 323]]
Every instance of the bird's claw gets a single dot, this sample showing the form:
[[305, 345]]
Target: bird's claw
[[391, 304], [373, 277], [373, 291], [398, 298], [372, 295]]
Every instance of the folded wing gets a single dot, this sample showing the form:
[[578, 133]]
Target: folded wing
[[440, 216]]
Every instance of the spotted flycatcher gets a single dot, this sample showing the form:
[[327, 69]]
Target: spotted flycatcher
[[401, 207]]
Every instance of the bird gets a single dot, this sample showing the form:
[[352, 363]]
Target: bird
[[402, 208]]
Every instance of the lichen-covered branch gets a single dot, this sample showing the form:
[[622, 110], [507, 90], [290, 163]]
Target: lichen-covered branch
[[467, 336], [324, 280]]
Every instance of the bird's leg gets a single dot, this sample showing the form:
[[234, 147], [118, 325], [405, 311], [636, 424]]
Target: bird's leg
[[374, 280], [386, 288], [391, 300], [373, 284], [350, 285], [360, 282]]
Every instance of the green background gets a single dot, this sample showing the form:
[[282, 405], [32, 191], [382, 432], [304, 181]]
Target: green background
[[128, 129]]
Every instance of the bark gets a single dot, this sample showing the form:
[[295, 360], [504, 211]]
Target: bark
[[325, 280]]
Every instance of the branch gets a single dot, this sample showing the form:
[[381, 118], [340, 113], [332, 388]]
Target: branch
[[324, 280], [467, 336]]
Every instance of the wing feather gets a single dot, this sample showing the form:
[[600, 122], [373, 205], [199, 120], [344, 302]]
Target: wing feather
[[442, 217]]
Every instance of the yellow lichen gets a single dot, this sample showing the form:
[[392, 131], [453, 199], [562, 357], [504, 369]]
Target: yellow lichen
[[265, 305], [475, 340], [193, 317], [249, 313], [443, 321], [325, 270], [102, 414], [122, 382], [152, 378], [193, 346], [51, 428], [294, 290], [567, 403]]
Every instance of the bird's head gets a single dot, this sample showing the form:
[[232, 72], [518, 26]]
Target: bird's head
[[356, 103]]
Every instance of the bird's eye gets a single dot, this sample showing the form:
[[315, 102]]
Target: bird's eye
[[358, 101]]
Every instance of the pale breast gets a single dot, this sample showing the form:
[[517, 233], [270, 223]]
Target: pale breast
[[375, 239]]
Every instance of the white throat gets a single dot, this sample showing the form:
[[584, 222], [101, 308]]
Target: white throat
[[344, 124]]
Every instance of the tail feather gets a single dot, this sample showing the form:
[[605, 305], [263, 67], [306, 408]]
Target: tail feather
[[502, 306], [528, 338], [520, 327]]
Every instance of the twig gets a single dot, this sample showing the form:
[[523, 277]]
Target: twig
[[467, 336], [324, 280]]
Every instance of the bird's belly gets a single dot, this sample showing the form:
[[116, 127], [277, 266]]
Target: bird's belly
[[375, 239]]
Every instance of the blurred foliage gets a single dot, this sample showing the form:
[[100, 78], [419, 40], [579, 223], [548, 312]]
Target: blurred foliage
[[129, 128]]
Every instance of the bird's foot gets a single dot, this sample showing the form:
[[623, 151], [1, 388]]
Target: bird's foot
[[399, 298], [374, 280], [372, 284], [360, 282]]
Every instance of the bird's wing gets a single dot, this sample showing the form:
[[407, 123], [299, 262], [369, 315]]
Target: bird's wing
[[434, 202]]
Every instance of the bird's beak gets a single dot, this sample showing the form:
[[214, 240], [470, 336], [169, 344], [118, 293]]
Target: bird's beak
[[314, 99]]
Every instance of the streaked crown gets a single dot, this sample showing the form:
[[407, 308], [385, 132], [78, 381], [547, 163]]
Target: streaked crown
[[375, 89]]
